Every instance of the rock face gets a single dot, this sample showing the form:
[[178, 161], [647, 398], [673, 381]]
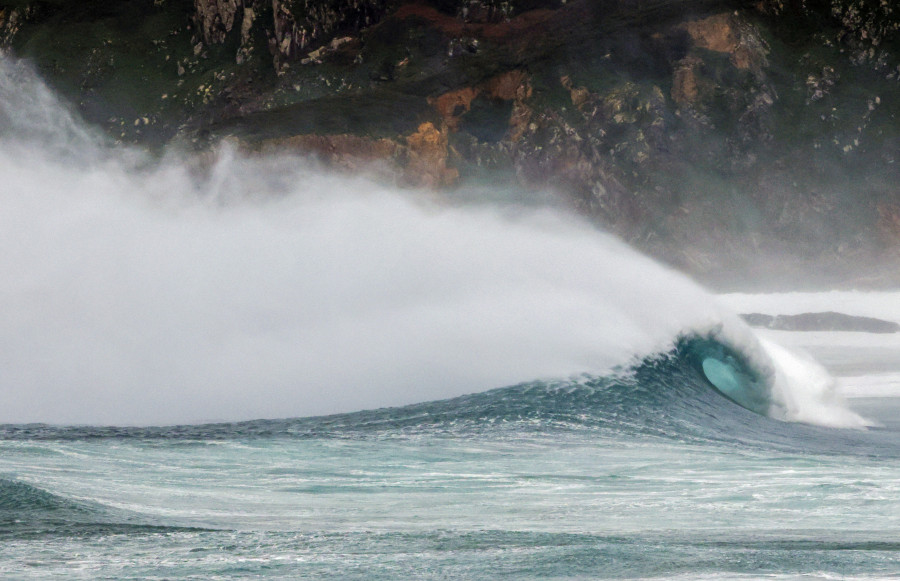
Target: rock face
[[299, 25], [293, 28], [296, 28], [216, 18], [868, 23], [716, 135], [829, 321]]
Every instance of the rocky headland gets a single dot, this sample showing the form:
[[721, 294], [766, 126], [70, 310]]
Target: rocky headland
[[745, 142], [827, 321]]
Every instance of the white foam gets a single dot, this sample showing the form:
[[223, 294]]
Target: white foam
[[332, 296], [805, 392]]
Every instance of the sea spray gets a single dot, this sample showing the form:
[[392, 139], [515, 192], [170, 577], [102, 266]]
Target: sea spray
[[323, 298], [140, 292]]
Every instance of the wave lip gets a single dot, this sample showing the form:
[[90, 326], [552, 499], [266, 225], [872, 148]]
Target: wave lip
[[768, 378]]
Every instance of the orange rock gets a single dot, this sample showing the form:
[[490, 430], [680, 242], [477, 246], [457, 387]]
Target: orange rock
[[427, 136], [716, 33], [454, 104], [426, 164], [685, 89], [725, 33], [579, 95], [419, 162], [509, 86]]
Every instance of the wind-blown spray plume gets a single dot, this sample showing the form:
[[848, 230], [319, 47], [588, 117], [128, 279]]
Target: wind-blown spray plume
[[135, 292]]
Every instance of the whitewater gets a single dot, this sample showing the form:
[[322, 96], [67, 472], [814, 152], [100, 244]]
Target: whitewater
[[243, 366]]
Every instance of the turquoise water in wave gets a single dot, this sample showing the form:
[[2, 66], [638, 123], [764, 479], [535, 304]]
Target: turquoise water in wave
[[647, 474]]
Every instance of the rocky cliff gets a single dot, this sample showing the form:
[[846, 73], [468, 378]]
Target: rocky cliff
[[721, 136]]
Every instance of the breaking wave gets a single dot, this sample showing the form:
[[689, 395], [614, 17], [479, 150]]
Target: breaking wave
[[158, 291]]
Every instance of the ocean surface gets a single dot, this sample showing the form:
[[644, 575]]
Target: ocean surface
[[472, 392], [653, 474]]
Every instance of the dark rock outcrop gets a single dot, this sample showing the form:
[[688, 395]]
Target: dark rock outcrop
[[717, 135], [828, 321]]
